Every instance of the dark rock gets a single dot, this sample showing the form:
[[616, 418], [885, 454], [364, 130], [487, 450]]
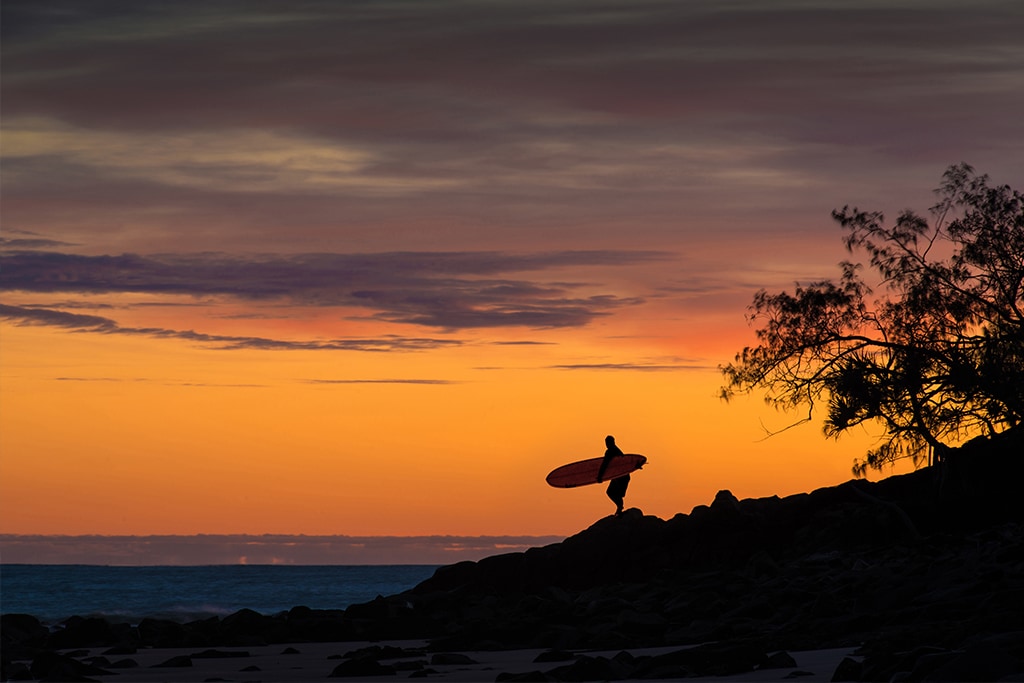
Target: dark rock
[[811, 570], [290, 651], [21, 636], [124, 664], [379, 608], [52, 666], [15, 671], [249, 669], [178, 662], [121, 650], [847, 670], [356, 668], [203, 633], [884, 661], [713, 659], [981, 662], [161, 633], [247, 627], [725, 503], [300, 612], [779, 660], [927, 663], [319, 626], [380, 652], [82, 632]]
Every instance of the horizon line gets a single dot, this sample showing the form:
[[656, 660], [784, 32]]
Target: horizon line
[[253, 549]]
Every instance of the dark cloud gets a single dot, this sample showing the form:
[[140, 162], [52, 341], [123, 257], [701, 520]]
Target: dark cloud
[[158, 381], [428, 382], [450, 290], [393, 67], [93, 379], [523, 113], [634, 367], [87, 305], [31, 243], [36, 315], [92, 323], [382, 381], [522, 342]]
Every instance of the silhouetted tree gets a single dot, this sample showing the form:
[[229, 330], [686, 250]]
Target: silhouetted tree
[[935, 359]]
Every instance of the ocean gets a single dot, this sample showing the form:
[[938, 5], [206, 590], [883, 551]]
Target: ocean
[[55, 592]]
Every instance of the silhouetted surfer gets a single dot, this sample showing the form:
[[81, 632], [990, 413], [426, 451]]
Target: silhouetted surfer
[[616, 487]]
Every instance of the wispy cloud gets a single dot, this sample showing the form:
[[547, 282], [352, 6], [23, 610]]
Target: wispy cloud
[[30, 243], [382, 381], [634, 367], [449, 290], [161, 381], [92, 323]]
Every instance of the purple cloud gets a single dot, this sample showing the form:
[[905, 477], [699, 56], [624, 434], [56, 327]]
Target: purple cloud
[[450, 290], [92, 323]]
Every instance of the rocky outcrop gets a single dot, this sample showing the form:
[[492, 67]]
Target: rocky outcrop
[[923, 574]]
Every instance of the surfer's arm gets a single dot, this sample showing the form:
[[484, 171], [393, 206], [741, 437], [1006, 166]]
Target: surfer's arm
[[604, 465]]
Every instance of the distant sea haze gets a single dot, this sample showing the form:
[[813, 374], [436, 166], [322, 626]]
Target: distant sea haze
[[252, 549]]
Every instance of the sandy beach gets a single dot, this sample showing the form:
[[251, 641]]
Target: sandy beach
[[316, 661]]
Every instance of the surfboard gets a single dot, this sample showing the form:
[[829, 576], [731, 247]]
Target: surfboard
[[584, 472]]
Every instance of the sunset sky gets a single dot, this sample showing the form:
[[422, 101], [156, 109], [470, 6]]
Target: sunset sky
[[375, 268]]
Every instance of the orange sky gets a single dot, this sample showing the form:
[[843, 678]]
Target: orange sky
[[125, 435], [375, 269]]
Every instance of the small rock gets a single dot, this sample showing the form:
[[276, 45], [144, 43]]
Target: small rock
[[357, 668], [124, 664], [179, 662], [779, 660]]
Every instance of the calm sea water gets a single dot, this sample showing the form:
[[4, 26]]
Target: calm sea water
[[54, 592]]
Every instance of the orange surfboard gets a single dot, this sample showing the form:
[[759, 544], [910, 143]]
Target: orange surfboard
[[584, 472]]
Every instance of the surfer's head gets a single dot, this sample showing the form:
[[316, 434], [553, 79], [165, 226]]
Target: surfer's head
[[609, 440]]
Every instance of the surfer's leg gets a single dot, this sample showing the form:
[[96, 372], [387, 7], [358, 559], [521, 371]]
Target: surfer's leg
[[613, 495], [617, 492]]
